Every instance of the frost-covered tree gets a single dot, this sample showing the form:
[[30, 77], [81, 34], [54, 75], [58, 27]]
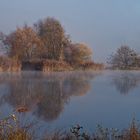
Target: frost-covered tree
[[124, 58]]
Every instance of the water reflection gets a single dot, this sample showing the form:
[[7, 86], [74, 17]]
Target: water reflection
[[125, 82], [44, 95]]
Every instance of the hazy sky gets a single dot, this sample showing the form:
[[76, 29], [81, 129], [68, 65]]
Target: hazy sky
[[102, 24]]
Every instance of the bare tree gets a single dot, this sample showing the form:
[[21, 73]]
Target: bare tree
[[124, 58]]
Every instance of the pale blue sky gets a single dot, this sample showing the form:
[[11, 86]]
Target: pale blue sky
[[102, 24]]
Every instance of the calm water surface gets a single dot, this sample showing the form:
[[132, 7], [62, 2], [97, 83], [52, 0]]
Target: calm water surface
[[60, 100]]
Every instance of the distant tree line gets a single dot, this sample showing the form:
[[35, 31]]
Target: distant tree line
[[46, 40]]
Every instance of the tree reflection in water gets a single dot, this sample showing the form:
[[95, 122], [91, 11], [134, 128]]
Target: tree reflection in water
[[44, 95], [125, 82]]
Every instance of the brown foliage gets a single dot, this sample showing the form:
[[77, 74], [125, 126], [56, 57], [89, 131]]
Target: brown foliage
[[53, 37], [47, 41], [53, 65], [24, 43], [90, 65], [77, 53]]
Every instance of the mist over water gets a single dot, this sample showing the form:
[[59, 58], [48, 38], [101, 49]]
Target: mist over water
[[60, 100]]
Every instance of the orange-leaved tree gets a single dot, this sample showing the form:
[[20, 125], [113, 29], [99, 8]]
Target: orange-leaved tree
[[78, 53], [24, 44]]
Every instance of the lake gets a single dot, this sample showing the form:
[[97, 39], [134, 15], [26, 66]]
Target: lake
[[60, 100]]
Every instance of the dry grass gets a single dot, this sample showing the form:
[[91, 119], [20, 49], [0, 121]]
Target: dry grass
[[53, 65], [76, 133], [91, 66], [9, 65], [10, 129]]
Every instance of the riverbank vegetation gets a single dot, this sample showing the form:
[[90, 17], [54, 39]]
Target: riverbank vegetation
[[46, 47], [11, 129]]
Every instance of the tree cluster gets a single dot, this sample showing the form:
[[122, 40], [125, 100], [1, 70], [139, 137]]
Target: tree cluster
[[46, 40]]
